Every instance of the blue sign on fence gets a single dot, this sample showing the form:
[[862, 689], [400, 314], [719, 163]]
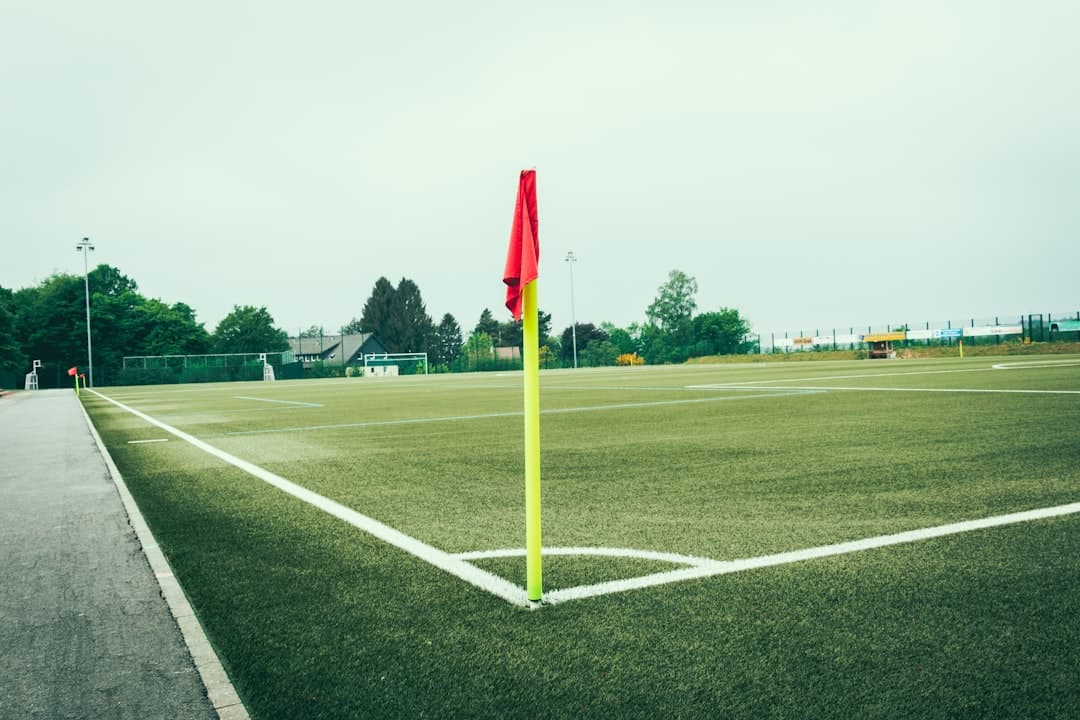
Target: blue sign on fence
[[951, 332]]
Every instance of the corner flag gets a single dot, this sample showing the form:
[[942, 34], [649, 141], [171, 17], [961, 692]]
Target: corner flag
[[524, 252], [73, 371], [520, 276]]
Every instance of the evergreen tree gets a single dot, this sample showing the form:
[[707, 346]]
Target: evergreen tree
[[448, 340], [376, 316], [488, 325], [411, 327]]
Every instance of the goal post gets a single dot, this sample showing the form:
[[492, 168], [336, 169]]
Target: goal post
[[381, 363]]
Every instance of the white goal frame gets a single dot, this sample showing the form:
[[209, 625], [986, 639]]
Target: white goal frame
[[382, 359]]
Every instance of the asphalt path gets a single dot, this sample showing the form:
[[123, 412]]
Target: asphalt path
[[84, 629]]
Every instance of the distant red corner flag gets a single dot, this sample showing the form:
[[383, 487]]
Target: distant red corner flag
[[524, 252], [73, 371]]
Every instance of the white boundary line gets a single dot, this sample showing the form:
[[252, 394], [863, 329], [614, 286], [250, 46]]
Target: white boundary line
[[1035, 364], [500, 587], [868, 388], [283, 402], [783, 392], [459, 565], [704, 567], [843, 377]]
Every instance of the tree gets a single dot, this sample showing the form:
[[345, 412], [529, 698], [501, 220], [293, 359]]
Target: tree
[[248, 329], [51, 320], [170, 330], [674, 304], [107, 280], [12, 358], [586, 333], [543, 325], [49, 323], [448, 340], [410, 328], [353, 327], [488, 325], [478, 352], [658, 347], [509, 334], [312, 332], [377, 312], [620, 338], [719, 333], [598, 353], [398, 316]]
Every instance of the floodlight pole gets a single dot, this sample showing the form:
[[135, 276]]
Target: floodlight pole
[[570, 259], [86, 248]]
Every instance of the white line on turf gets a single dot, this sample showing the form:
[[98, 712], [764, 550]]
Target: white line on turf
[[857, 388], [283, 402], [838, 377], [493, 584], [143, 442], [783, 392], [709, 568], [1033, 364], [459, 565]]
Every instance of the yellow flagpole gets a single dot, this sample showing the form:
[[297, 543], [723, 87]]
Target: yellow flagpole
[[531, 366]]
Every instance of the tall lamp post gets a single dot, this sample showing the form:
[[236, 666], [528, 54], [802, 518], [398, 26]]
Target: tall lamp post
[[85, 247], [573, 320]]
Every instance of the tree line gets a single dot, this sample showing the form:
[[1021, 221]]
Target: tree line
[[47, 323], [672, 333]]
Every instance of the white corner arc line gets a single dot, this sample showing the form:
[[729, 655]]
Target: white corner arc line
[[674, 558], [500, 587]]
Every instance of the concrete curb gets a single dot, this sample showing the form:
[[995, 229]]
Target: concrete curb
[[219, 688]]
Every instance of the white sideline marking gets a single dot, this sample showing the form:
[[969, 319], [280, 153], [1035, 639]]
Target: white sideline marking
[[1029, 364], [856, 388], [493, 584], [784, 392], [283, 402], [708, 568], [458, 564], [143, 442], [843, 377]]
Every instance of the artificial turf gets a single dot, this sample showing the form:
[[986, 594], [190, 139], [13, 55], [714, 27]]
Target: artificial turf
[[315, 619]]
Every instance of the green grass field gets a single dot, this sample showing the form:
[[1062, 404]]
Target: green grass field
[[314, 618]]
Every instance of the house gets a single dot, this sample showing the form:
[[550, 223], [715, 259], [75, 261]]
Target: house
[[328, 348]]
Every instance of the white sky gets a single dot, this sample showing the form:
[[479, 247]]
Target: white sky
[[811, 164]]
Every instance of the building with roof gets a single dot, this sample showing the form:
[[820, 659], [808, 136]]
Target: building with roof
[[330, 348]]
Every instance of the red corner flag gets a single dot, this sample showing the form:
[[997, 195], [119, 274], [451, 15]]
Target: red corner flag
[[73, 371], [524, 252]]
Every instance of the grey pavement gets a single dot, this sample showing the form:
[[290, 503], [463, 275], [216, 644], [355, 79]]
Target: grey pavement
[[84, 629]]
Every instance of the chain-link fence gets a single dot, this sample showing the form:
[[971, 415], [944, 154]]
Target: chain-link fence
[[1028, 328]]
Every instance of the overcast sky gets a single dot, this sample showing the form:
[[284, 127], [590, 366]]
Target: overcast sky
[[811, 164]]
